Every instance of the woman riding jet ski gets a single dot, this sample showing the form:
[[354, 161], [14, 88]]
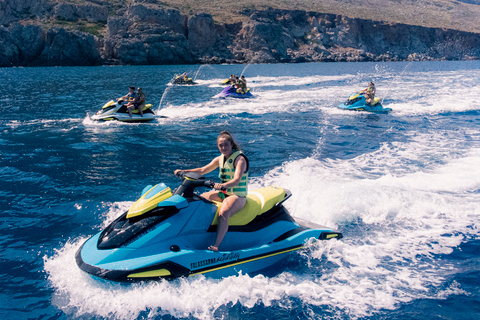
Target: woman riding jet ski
[[117, 110], [165, 235], [183, 79], [364, 101]]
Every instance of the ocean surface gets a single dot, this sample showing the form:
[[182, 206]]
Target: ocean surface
[[402, 187]]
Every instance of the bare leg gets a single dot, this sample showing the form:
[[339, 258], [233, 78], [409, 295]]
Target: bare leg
[[140, 109], [212, 195], [230, 206], [130, 110]]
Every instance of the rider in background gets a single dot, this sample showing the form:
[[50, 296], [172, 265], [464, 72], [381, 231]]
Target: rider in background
[[369, 93], [242, 84], [138, 103]]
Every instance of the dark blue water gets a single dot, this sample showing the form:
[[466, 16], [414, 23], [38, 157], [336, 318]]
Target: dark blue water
[[403, 187]]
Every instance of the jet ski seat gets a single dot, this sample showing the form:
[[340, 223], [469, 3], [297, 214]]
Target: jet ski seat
[[258, 202], [147, 106]]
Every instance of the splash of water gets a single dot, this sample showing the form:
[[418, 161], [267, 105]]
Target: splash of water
[[394, 80], [206, 66], [163, 96], [243, 71]]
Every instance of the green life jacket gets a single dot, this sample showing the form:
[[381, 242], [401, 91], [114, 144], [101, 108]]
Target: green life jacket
[[227, 172]]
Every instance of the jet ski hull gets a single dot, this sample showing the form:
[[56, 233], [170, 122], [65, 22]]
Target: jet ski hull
[[232, 93], [116, 111], [357, 102], [170, 264], [125, 117]]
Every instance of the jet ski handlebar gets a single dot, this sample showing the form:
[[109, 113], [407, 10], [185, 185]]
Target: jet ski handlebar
[[192, 180]]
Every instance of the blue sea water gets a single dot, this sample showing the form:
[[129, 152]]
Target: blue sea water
[[403, 187]]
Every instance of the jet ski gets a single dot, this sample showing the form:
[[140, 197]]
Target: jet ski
[[233, 92], [181, 80], [358, 102], [117, 110], [165, 235]]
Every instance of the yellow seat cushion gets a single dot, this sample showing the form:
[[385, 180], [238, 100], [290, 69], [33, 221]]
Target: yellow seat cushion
[[147, 106], [258, 202]]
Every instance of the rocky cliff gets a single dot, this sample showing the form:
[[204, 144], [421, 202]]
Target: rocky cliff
[[146, 33]]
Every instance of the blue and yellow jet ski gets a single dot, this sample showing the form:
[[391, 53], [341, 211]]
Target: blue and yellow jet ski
[[165, 235], [117, 110], [358, 102]]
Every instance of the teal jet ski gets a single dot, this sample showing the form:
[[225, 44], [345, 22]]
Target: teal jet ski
[[358, 102], [165, 235]]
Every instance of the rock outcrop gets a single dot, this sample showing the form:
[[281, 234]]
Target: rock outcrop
[[20, 44], [31, 46], [74, 12], [15, 10], [146, 33], [69, 48]]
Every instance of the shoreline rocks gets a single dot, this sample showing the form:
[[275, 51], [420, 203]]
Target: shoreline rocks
[[146, 33]]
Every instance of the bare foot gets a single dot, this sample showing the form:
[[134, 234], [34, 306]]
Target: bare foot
[[213, 248]]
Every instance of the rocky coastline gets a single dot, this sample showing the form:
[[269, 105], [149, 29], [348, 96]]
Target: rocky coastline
[[148, 34]]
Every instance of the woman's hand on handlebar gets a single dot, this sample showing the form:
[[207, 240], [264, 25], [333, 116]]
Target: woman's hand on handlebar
[[219, 186]]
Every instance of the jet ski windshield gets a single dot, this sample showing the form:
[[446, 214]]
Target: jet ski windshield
[[124, 231], [354, 100]]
